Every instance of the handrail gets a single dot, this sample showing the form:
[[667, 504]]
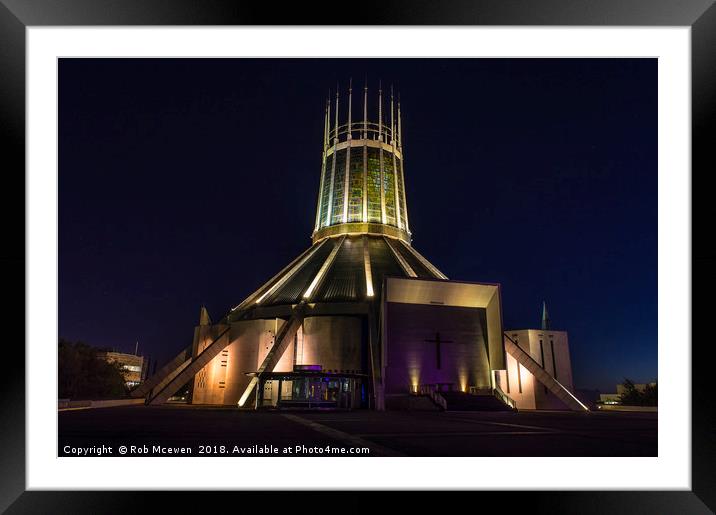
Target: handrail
[[362, 129], [431, 392], [504, 397]]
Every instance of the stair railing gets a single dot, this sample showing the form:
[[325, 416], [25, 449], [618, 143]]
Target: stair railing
[[504, 397], [431, 392]]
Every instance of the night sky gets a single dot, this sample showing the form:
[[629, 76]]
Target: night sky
[[190, 181]]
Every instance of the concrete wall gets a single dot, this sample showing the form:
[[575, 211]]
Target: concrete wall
[[332, 342], [518, 383], [224, 379], [410, 360], [455, 294], [208, 385]]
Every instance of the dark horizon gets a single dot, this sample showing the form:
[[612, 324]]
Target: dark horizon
[[185, 182]]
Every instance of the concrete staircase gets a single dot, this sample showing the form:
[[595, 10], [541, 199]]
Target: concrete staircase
[[163, 375], [542, 376], [461, 401], [188, 370]]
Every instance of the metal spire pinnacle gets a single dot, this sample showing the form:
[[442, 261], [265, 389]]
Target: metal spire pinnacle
[[400, 127], [328, 102], [350, 104], [365, 108], [336, 134], [392, 121], [545, 317], [380, 111], [326, 124]]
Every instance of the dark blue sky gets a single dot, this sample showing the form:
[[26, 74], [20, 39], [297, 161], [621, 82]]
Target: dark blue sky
[[184, 182]]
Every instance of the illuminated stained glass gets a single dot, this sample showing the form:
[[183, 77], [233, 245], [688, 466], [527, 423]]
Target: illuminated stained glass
[[362, 180], [338, 188], [401, 193], [355, 195], [374, 210], [326, 190], [389, 188]]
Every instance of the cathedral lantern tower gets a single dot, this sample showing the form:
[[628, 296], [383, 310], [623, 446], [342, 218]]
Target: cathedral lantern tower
[[362, 188]]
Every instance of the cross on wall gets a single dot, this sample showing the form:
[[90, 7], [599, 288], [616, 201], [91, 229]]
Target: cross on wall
[[437, 341]]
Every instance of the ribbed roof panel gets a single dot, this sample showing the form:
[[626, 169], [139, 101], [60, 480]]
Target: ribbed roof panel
[[292, 290], [414, 262], [345, 279]]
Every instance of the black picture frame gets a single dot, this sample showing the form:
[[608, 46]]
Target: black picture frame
[[17, 15]]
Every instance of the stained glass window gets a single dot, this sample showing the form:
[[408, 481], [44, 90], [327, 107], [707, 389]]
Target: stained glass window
[[355, 202], [374, 210], [326, 190], [338, 188], [389, 188], [401, 193]]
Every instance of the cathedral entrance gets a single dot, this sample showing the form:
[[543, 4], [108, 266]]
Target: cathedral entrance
[[311, 390]]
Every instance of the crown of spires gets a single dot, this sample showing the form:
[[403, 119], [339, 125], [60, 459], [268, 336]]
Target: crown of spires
[[372, 194], [350, 128]]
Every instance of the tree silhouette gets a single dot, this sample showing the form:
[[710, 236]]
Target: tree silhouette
[[83, 374], [633, 397]]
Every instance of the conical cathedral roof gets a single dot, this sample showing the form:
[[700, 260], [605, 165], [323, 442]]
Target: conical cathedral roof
[[345, 269]]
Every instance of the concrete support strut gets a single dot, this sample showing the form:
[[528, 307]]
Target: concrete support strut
[[189, 371], [403, 263], [283, 338], [427, 264], [542, 376], [163, 373]]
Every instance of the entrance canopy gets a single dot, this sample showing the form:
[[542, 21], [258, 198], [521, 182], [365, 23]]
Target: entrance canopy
[[310, 389], [457, 294]]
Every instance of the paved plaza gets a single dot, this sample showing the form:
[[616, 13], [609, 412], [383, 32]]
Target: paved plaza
[[173, 430]]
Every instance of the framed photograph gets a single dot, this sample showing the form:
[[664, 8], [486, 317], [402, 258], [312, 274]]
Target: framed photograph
[[412, 248]]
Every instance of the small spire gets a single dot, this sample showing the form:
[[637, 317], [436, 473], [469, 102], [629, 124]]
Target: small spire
[[400, 127], [326, 124], [328, 101], [204, 318], [350, 103], [365, 108], [336, 134], [392, 121], [545, 317], [380, 110]]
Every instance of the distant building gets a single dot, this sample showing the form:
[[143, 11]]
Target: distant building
[[133, 366], [609, 398], [638, 387], [615, 398]]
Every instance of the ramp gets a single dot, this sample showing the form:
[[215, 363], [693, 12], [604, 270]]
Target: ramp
[[542, 376]]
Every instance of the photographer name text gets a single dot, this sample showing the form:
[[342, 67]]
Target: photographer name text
[[212, 450]]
